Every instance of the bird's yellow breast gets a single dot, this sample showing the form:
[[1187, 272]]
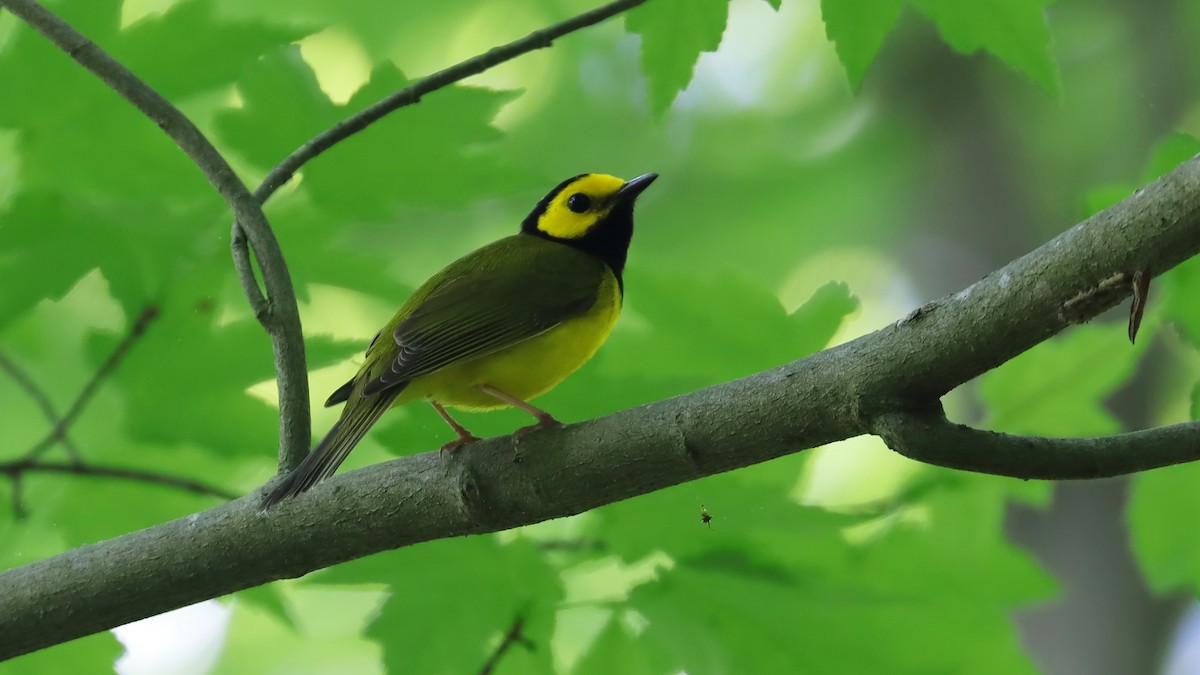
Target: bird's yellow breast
[[529, 368]]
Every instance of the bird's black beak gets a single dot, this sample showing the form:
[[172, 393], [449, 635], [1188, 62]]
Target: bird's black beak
[[631, 189]]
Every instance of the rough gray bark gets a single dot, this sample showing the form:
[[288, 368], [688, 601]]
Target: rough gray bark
[[852, 389]]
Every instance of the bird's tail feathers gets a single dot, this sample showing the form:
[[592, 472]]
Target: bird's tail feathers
[[332, 450]]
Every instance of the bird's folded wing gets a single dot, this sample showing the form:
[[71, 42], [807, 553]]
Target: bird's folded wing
[[485, 312]]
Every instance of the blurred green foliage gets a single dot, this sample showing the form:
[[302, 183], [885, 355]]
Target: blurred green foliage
[[826, 167]]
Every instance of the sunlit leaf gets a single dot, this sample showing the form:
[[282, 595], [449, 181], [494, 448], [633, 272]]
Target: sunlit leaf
[[1167, 553], [1170, 152], [618, 650], [674, 35], [1058, 387], [186, 350], [433, 153], [733, 314], [858, 28], [268, 599], [282, 106], [95, 653]]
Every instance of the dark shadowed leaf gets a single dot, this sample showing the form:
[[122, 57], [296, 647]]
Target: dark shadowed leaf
[[1014, 31], [451, 602]]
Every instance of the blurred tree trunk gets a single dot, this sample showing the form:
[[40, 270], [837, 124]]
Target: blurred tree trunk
[[1104, 621]]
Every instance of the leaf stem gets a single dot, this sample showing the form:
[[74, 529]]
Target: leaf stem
[[63, 424], [17, 469], [39, 396], [933, 439], [512, 637]]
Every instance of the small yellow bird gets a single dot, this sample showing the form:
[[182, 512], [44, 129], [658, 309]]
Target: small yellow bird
[[497, 327]]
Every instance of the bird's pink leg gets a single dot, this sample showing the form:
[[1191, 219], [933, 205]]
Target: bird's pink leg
[[464, 436], [544, 419]]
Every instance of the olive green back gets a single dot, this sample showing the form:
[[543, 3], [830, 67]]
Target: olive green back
[[497, 296]]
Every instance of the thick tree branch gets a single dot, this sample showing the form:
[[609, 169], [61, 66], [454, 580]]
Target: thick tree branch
[[279, 315], [935, 440], [506, 482]]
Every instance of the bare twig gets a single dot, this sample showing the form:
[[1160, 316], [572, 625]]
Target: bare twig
[[585, 545], [935, 440], [512, 637], [239, 246], [39, 396], [539, 39], [25, 381], [59, 432], [18, 496], [16, 470], [278, 312]]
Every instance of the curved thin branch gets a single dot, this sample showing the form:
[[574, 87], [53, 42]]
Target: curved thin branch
[[63, 424], [282, 317], [829, 396], [18, 496], [936, 440], [17, 469], [42, 400], [514, 636], [539, 39], [239, 246], [33, 389]]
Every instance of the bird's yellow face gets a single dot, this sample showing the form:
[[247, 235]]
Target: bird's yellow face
[[581, 203], [593, 213]]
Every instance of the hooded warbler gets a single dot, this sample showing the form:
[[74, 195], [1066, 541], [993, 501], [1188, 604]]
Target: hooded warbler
[[498, 326]]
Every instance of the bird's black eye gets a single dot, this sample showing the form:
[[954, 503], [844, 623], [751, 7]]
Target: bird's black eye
[[579, 202]]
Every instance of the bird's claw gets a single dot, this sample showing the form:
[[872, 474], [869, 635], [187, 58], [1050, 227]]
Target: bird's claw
[[459, 442], [546, 422]]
